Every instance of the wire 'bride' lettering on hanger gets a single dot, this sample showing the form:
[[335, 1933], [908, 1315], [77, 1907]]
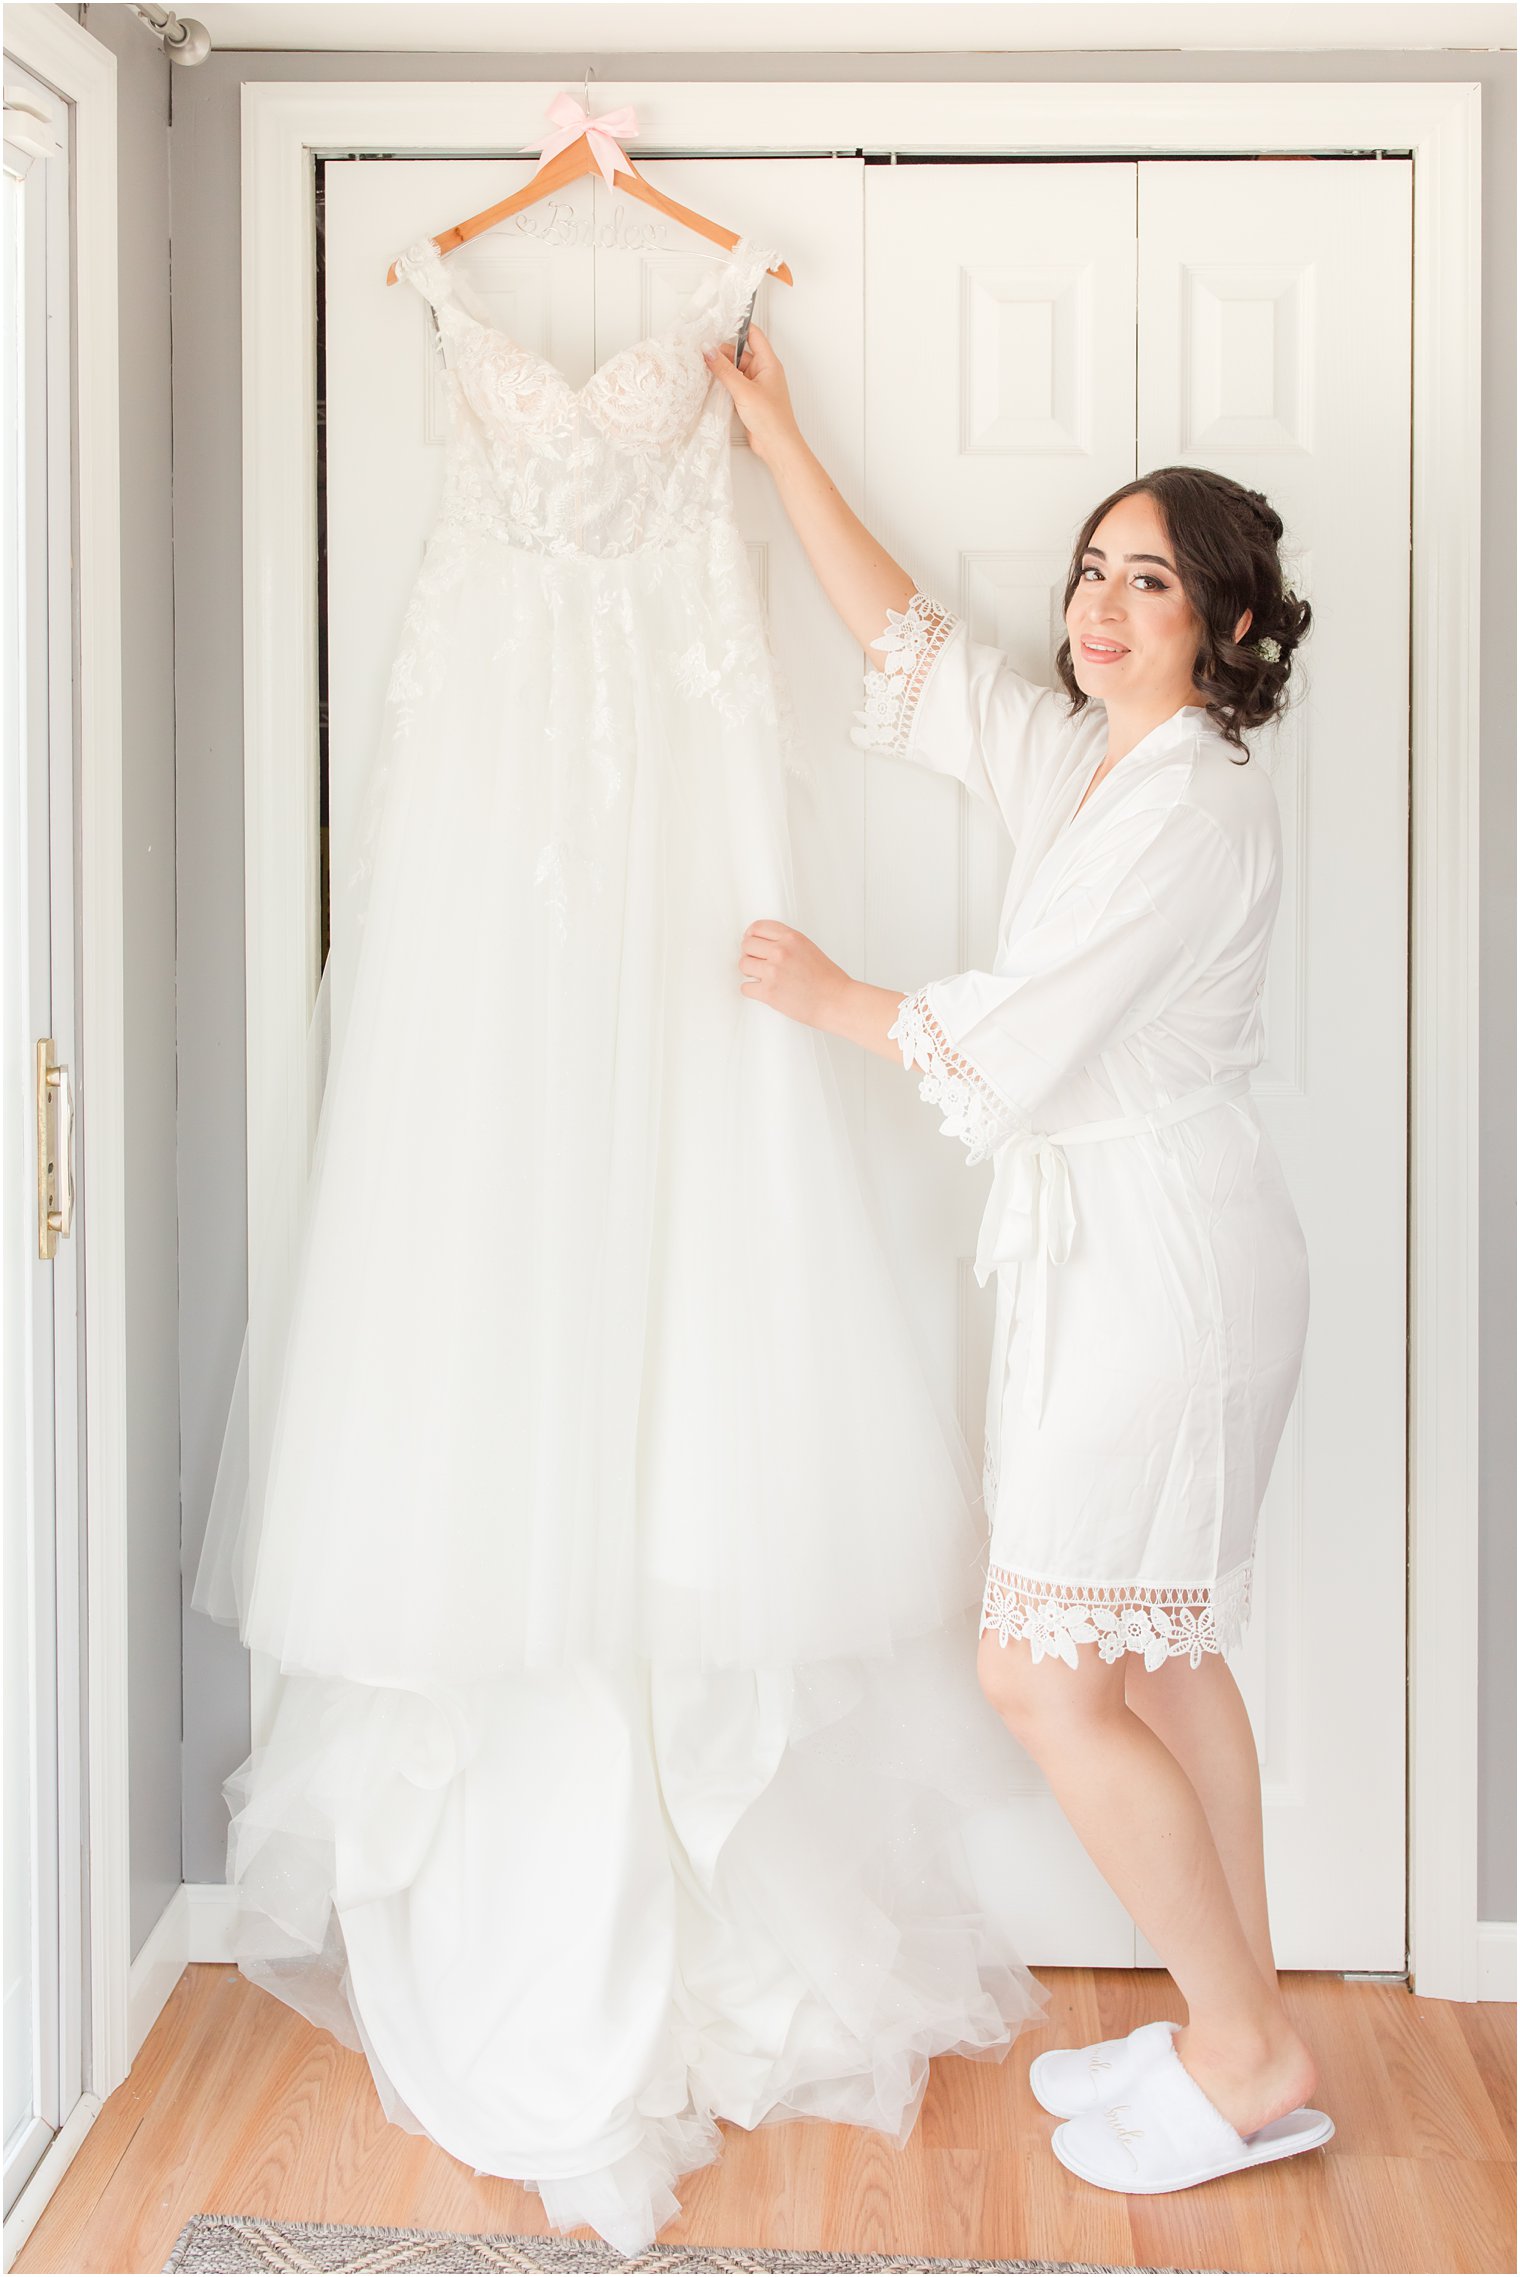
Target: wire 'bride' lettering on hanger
[[558, 224]]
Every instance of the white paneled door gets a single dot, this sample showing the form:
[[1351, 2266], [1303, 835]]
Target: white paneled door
[[978, 354], [41, 1275], [1275, 345]]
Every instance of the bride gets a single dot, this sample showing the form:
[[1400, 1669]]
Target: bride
[[1152, 1274]]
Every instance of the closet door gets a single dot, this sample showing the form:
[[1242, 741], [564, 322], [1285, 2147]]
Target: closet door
[[1036, 335], [1000, 405], [1274, 345]]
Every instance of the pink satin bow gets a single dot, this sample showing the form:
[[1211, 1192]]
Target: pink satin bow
[[572, 120]]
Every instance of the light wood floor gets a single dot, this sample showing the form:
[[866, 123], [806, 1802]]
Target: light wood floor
[[237, 2106]]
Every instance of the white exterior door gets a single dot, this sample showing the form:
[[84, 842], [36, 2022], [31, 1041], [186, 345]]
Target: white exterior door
[[977, 354], [1036, 335], [40, 1279]]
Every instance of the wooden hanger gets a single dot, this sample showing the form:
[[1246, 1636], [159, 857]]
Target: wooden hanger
[[568, 165]]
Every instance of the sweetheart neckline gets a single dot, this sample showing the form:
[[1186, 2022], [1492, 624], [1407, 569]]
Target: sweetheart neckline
[[426, 249]]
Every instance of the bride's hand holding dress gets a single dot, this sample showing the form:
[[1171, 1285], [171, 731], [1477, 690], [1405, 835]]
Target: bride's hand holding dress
[[858, 575], [782, 968]]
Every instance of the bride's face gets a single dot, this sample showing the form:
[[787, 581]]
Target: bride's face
[[1133, 632]]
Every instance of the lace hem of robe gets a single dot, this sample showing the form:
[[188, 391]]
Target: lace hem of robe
[[973, 1111], [910, 643], [1159, 1622]]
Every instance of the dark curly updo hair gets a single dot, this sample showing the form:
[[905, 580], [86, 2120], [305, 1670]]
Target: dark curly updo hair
[[1224, 540]]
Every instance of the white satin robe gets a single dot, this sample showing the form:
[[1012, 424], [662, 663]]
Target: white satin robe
[[1152, 1280]]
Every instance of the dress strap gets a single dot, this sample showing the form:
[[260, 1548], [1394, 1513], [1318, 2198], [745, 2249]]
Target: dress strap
[[423, 266], [716, 315]]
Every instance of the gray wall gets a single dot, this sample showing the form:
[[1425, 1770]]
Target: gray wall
[[205, 182], [1496, 991], [148, 878]]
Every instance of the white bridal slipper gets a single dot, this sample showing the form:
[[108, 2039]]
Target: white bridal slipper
[[1161, 2132], [1069, 2081]]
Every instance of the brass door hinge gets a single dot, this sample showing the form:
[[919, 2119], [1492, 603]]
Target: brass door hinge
[[55, 1150]]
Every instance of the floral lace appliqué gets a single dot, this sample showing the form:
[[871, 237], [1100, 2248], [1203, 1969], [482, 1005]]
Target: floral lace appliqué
[[912, 640], [972, 1109], [695, 677], [636, 458], [1158, 1622], [576, 481]]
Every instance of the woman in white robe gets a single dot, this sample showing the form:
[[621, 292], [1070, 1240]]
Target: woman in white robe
[[1152, 1279]]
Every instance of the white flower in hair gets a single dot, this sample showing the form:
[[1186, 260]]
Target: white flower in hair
[[1268, 648]]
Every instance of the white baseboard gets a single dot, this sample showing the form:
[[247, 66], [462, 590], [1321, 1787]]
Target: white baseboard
[[155, 1971], [196, 1925], [1496, 1960], [212, 1908]]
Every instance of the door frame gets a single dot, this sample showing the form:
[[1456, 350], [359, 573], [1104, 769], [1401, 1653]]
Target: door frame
[[287, 124], [83, 71]]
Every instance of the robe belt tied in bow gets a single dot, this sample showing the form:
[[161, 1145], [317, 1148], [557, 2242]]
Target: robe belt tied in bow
[[1030, 1219]]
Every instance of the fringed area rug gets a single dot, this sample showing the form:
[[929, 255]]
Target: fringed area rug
[[231, 2245]]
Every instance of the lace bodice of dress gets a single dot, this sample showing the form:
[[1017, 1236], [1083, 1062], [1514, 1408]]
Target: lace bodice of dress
[[636, 458]]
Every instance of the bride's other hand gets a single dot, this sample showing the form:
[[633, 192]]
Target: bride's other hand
[[790, 973], [758, 387]]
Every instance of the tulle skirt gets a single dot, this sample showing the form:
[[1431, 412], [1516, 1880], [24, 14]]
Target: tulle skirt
[[628, 1770], [576, 1917], [591, 1343]]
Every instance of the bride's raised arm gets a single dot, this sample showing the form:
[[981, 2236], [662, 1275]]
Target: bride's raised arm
[[859, 576], [957, 705], [931, 692]]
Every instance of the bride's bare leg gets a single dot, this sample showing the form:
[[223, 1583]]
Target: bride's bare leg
[[1199, 1715], [1140, 1820]]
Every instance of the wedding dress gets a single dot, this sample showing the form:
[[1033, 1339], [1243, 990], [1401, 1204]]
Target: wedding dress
[[628, 1771]]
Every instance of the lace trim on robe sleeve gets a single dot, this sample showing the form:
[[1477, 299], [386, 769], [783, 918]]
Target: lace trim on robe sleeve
[[910, 643], [973, 1111]]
